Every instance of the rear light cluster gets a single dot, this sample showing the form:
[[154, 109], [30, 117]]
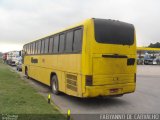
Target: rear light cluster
[[89, 80], [130, 61]]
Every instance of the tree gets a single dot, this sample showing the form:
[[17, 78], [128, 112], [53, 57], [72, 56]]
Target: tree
[[156, 45]]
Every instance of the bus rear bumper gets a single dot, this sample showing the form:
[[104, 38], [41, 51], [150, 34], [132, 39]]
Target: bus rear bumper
[[109, 90]]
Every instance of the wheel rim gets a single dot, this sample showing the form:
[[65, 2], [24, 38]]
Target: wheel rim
[[54, 86]]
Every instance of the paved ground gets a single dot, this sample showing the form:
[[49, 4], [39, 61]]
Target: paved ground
[[151, 70], [144, 100]]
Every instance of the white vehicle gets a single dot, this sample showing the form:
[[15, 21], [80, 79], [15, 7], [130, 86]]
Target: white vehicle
[[8, 57], [13, 57], [156, 61]]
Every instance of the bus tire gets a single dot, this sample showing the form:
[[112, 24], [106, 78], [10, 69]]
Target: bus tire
[[26, 73], [54, 85]]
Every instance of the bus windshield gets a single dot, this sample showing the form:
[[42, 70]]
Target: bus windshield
[[113, 32]]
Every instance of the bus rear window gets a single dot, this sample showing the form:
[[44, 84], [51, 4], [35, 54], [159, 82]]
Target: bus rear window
[[113, 32]]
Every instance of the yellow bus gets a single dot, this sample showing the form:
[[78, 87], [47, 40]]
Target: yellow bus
[[96, 57]]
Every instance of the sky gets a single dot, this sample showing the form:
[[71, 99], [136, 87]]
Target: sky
[[22, 21]]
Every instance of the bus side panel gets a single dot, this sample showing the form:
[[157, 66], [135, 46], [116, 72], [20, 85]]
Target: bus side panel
[[61, 65], [73, 84], [70, 64]]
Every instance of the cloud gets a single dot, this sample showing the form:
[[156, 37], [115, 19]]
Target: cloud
[[22, 21]]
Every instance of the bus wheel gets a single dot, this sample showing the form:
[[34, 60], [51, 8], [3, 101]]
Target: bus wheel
[[26, 73], [54, 85]]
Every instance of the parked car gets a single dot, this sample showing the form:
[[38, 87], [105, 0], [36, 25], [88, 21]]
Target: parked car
[[156, 61], [148, 59]]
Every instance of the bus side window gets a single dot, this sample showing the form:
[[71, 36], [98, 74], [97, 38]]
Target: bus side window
[[24, 48], [42, 47], [27, 49], [61, 43], [77, 44], [36, 47], [46, 45], [39, 46], [33, 51], [69, 42], [50, 44], [31, 48], [56, 44]]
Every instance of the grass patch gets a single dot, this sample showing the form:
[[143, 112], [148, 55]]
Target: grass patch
[[18, 97]]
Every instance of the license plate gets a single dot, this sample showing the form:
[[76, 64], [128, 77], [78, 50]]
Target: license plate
[[115, 90]]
